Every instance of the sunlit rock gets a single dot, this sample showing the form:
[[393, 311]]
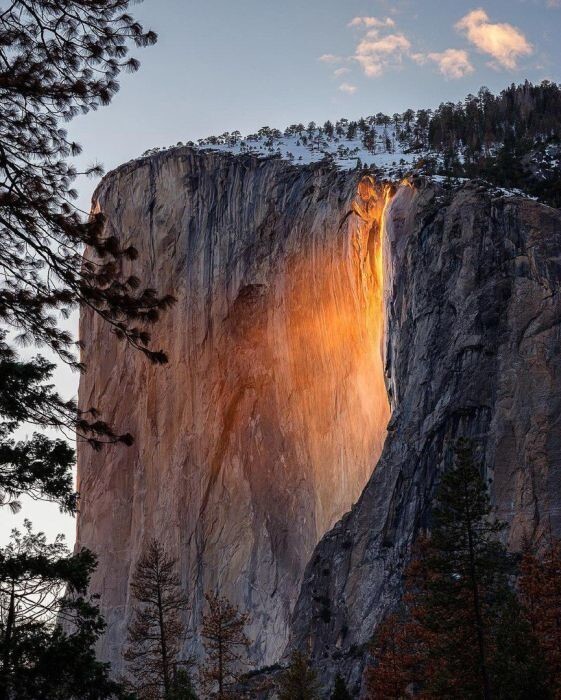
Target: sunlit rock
[[267, 422]]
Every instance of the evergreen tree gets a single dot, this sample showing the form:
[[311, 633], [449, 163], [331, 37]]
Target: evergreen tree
[[299, 681], [48, 627], [340, 691], [182, 686], [64, 57], [463, 634], [59, 58], [463, 601], [329, 129], [351, 131], [467, 580], [156, 630], [225, 643]]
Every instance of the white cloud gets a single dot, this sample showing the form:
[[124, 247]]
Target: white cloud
[[419, 58], [452, 63], [375, 55], [371, 22], [554, 3], [504, 42], [382, 47], [330, 58]]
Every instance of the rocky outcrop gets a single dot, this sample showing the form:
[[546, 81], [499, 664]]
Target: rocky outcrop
[[264, 426], [270, 417], [473, 316]]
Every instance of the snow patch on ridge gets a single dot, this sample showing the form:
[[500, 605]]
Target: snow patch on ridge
[[384, 150]]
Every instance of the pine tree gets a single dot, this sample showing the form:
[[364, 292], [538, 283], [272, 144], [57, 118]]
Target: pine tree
[[59, 58], [539, 588], [299, 681], [340, 691], [64, 58], [46, 78], [156, 630], [182, 686], [464, 603], [48, 626], [468, 579], [463, 634], [225, 644]]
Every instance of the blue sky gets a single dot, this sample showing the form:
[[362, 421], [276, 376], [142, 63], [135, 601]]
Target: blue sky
[[221, 65]]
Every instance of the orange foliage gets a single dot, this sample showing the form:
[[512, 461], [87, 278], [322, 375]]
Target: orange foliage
[[391, 674], [540, 594]]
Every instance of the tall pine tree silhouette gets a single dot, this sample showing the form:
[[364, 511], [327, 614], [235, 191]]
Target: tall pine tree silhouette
[[225, 643], [463, 634], [156, 629]]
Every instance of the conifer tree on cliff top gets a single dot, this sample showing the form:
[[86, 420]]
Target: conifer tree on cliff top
[[225, 643], [463, 634], [156, 630]]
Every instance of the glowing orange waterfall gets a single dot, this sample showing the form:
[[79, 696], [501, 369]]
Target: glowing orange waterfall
[[267, 422]]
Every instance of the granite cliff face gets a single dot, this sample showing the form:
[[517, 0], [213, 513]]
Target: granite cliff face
[[472, 282], [265, 425], [287, 342]]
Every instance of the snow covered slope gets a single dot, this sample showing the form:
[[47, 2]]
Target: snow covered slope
[[368, 143]]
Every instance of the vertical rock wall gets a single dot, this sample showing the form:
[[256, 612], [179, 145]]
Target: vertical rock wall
[[265, 425], [473, 349]]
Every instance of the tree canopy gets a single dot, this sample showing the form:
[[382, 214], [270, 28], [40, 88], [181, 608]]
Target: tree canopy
[[60, 58], [462, 632], [48, 623]]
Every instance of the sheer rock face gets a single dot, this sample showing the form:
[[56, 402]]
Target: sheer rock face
[[473, 340], [264, 426], [270, 416]]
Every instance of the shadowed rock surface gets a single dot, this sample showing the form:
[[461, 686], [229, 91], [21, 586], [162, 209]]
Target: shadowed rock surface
[[473, 313], [265, 425]]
